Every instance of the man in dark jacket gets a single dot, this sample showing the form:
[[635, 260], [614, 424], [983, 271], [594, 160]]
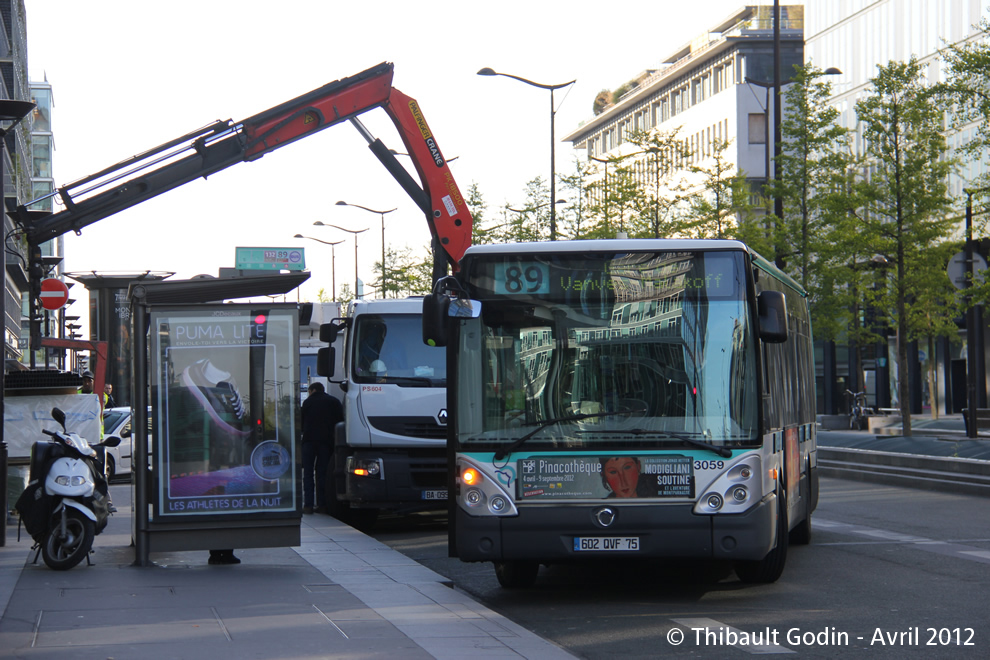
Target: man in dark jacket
[[320, 415]]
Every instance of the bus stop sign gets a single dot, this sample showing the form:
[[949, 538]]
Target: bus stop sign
[[54, 293]]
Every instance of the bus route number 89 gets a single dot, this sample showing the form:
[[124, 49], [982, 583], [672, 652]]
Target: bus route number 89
[[518, 277]]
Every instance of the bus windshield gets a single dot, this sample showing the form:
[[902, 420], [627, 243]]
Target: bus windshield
[[607, 350]]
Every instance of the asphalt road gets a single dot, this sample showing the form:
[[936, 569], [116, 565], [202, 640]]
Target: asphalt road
[[890, 573]]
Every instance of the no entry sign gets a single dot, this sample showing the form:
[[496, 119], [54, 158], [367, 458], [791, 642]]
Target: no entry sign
[[54, 293]]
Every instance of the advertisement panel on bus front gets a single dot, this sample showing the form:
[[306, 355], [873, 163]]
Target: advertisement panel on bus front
[[604, 477]]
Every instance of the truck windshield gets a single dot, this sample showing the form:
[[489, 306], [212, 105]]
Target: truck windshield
[[639, 350], [390, 349]]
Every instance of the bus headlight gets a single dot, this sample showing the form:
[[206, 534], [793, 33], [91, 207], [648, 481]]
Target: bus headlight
[[477, 489], [735, 490]]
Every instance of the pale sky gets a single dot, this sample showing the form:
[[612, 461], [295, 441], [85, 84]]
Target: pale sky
[[128, 76]]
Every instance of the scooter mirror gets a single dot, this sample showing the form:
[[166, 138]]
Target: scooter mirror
[[59, 417], [112, 441]]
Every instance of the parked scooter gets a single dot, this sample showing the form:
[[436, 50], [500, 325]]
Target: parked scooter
[[66, 502]]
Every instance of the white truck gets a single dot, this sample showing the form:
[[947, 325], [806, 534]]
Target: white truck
[[311, 317], [389, 453]]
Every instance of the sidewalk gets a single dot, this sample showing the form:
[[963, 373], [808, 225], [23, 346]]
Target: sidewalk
[[942, 437], [341, 594]]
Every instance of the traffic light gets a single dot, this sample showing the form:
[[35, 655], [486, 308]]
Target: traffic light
[[36, 273]]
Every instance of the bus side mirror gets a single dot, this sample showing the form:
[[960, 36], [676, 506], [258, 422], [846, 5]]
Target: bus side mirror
[[772, 308], [464, 308], [325, 361], [435, 307]]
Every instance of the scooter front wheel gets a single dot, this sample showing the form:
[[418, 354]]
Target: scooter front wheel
[[63, 552]]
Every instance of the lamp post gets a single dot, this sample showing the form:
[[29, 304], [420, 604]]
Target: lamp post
[[333, 260], [382, 214], [350, 231], [553, 185], [975, 378]]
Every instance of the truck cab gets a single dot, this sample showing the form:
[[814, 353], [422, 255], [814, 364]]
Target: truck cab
[[389, 452]]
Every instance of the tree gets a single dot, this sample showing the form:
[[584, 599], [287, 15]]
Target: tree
[[574, 225], [345, 296], [612, 197], [478, 207], [656, 209], [724, 193], [967, 87], [905, 193], [813, 160]]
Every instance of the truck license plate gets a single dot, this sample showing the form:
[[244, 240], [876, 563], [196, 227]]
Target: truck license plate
[[606, 543], [434, 494]]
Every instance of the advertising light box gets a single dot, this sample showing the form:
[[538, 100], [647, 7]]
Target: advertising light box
[[224, 388]]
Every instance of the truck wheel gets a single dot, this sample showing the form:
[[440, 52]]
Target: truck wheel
[[62, 553], [335, 507], [770, 568], [362, 519], [516, 574]]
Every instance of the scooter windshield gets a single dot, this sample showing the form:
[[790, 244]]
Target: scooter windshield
[[79, 444]]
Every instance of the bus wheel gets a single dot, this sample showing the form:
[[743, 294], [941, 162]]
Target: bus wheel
[[770, 568], [516, 574], [801, 534]]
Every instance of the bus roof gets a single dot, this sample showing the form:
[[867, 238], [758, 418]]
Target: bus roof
[[636, 245], [608, 245]]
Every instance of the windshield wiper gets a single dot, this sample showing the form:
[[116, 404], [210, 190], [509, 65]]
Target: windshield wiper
[[724, 452], [502, 453]]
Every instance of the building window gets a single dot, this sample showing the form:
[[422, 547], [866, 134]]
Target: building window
[[757, 128]]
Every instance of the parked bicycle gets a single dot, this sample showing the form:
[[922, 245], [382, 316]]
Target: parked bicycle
[[859, 412]]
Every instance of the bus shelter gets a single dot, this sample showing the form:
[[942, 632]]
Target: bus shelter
[[215, 428]]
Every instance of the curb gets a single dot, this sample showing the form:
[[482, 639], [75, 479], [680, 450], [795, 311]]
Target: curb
[[967, 476]]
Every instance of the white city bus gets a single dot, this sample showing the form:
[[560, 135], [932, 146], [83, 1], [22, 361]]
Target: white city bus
[[627, 398]]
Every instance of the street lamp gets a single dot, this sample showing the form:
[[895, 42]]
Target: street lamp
[[333, 260], [536, 208], [350, 231], [553, 186], [382, 214]]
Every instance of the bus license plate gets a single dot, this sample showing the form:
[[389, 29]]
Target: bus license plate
[[434, 494], [606, 543]]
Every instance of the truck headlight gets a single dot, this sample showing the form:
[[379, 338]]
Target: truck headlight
[[365, 467]]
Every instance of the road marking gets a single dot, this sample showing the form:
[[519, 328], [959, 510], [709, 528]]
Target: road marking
[[716, 632], [947, 548], [982, 554]]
